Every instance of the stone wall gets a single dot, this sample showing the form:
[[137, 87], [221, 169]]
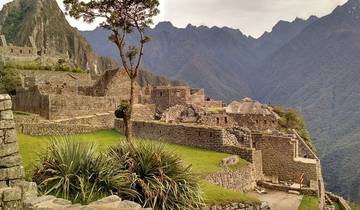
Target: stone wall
[[11, 171], [340, 200], [236, 206], [255, 121], [240, 180], [63, 106], [55, 129], [211, 138], [190, 135], [32, 101], [32, 78], [280, 158]]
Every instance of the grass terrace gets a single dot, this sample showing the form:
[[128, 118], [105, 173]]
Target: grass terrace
[[309, 203], [203, 162]]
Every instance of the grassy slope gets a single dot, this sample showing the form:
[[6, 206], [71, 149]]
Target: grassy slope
[[309, 203], [203, 161]]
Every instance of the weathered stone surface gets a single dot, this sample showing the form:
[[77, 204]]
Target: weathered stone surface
[[7, 124], [7, 115], [4, 97], [11, 194], [5, 105], [29, 189], [129, 205], [10, 161], [12, 205], [106, 200], [10, 136], [8, 149], [11, 173]]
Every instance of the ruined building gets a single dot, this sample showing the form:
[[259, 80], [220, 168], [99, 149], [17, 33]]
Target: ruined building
[[181, 115]]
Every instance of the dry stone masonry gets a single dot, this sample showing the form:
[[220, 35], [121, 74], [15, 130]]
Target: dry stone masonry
[[11, 171]]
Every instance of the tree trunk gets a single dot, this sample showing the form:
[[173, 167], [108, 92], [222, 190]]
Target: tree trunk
[[128, 124]]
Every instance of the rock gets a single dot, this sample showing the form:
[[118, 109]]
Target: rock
[[7, 115], [11, 173], [4, 97], [11, 194], [8, 149], [294, 192], [5, 105], [110, 199], [129, 204], [10, 136], [10, 161]]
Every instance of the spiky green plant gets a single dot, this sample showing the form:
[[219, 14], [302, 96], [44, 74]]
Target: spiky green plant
[[74, 171], [161, 179]]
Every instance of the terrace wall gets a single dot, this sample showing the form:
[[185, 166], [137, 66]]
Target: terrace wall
[[280, 158]]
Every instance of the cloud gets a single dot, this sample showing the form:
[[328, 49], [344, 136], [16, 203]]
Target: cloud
[[252, 17]]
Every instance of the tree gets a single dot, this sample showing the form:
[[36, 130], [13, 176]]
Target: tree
[[120, 17], [9, 80]]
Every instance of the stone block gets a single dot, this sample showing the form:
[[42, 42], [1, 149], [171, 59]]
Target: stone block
[[11, 194], [29, 189], [7, 124], [7, 115], [12, 205], [5, 105], [8, 149], [10, 136], [3, 184], [11, 173], [4, 97], [10, 161]]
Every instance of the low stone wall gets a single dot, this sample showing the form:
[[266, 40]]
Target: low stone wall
[[340, 200], [189, 135], [55, 129], [240, 180], [211, 138], [99, 120], [235, 206]]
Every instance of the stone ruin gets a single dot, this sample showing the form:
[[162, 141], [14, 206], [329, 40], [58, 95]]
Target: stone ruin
[[181, 115], [10, 52], [17, 194]]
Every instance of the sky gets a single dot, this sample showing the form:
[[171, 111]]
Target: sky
[[252, 17]]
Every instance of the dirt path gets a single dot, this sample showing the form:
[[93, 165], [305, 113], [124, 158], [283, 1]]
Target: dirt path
[[280, 200]]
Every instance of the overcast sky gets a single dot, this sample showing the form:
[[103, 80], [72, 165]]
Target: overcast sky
[[252, 17]]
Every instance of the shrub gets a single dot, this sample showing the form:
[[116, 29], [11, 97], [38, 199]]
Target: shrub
[[73, 171], [161, 180], [9, 80]]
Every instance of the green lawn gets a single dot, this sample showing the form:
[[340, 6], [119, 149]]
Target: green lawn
[[309, 203], [203, 162]]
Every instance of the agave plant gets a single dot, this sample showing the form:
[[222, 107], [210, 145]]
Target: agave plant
[[74, 171], [161, 180]]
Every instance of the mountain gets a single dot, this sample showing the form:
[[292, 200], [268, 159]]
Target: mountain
[[282, 33], [46, 23], [318, 71], [217, 59], [197, 55]]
